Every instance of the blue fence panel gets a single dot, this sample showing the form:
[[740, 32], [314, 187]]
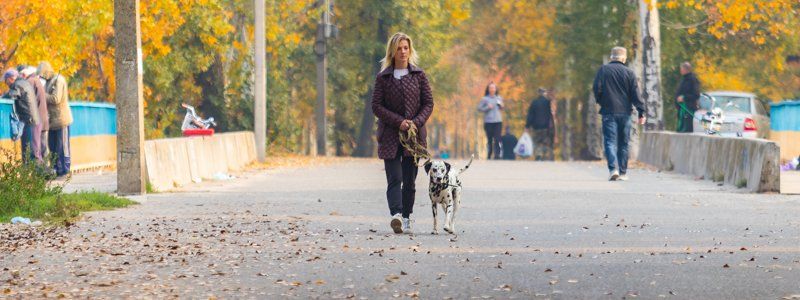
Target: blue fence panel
[[93, 119], [5, 119], [90, 118], [785, 116]]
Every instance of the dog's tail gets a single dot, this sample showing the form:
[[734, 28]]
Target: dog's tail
[[467, 165]]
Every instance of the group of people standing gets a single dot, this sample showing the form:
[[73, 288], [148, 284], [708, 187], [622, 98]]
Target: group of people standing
[[540, 122], [41, 102]]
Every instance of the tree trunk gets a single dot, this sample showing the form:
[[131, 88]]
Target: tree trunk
[[647, 65], [636, 65], [366, 145], [650, 37], [594, 130], [566, 130]]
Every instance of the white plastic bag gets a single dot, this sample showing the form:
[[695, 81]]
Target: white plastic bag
[[524, 146]]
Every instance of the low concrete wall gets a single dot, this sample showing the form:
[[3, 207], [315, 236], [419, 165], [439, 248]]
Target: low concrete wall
[[175, 162], [734, 160]]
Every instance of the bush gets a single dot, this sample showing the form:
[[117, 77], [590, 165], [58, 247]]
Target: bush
[[21, 184]]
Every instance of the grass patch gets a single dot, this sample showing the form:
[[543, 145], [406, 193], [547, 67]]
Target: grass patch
[[148, 188], [718, 177], [26, 190], [64, 208], [741, 183]]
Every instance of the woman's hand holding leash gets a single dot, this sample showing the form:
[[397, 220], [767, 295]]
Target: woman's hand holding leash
[[406, 125]]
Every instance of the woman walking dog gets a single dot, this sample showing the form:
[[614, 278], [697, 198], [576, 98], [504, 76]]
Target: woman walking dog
[[401, 100]]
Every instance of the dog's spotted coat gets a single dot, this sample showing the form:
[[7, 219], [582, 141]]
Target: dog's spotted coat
[[444, 190]]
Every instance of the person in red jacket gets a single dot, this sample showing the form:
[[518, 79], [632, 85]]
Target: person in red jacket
[[401, 98]]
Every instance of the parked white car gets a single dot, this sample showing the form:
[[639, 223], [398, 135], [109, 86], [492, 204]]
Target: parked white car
[[743, 114]]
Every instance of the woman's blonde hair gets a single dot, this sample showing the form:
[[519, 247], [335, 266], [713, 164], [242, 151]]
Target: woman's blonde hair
[[391, 48]]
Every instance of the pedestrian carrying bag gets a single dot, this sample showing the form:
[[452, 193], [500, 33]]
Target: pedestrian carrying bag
[[17, 126], [524, 146]]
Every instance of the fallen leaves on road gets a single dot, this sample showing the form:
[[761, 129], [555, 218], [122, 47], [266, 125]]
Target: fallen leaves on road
[[392, 278]]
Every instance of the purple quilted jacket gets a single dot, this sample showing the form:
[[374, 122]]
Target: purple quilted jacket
[[395, 100]]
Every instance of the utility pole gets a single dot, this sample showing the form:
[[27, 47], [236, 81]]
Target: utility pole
[[129, 98], [325, 30], [650, 37], [260, 109]]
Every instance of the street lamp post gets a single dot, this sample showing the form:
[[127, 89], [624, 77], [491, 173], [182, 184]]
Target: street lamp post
[[260, 109], [325, 31]]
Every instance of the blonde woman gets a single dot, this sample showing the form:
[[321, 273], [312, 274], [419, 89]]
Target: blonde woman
[[401, 98]]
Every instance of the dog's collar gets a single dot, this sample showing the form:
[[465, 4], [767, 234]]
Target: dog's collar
[[444, 184]]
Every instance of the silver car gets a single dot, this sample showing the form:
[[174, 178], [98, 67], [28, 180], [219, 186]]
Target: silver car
[[743, 114]]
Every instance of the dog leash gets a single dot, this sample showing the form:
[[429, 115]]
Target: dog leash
[[409, 141]]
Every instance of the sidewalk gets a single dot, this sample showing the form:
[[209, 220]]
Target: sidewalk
[[98, 181]]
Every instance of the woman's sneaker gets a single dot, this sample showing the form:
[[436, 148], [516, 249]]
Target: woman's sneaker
[[407, 225], [397, 223], [623, 177]]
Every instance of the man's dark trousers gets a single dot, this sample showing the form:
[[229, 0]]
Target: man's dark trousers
[[616, 135], [30, 143], [58, 141]]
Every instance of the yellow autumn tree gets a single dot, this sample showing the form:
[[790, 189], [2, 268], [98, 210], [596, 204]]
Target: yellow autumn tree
[[736, 44], [57, 31]]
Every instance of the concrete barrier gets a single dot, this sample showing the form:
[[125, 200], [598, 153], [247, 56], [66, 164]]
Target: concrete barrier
[[746, 163], [176, 162]]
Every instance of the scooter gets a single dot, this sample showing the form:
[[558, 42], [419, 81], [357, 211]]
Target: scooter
[[193, 121]]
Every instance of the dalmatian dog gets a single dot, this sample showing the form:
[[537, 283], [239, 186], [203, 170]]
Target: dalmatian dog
[[445, 191]]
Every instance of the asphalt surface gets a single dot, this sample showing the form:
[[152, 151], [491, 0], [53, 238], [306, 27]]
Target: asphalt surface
[[525, 230]]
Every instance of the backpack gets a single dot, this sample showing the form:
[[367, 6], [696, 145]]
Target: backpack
[[17, 126]]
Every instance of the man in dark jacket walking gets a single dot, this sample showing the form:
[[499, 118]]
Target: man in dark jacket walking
[[686, 98], [540, 122], [25, 105], [616, 90]]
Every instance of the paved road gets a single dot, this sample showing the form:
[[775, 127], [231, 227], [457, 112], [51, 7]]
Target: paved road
[[525, 230]]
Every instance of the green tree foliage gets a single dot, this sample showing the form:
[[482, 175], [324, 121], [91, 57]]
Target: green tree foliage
[[365, 27]]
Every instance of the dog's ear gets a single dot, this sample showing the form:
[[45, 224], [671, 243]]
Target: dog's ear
[[428, 166], [447, 165]]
